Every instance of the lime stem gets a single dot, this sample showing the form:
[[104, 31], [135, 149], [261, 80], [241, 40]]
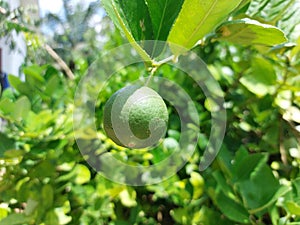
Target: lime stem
[[164, 61], [156, 65], [153, 70]]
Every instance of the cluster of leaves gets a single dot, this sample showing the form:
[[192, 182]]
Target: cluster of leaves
[[254, 180]]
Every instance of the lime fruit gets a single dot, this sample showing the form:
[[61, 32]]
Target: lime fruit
[[135, 117]]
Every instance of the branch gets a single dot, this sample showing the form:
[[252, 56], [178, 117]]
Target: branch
[[59, 60]]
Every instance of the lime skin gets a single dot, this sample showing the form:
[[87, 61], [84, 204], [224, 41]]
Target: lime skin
[[135, 117]]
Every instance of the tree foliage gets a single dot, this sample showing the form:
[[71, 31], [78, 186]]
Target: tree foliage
[[252, 50]]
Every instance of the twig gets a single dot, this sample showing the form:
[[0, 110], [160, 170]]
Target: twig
[[153, 70], [60, 62]]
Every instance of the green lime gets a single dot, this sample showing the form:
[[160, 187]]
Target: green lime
[[135, 117]]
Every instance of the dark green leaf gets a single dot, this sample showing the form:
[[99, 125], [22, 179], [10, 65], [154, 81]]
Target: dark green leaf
[[134, 15], [139, 24], [47, 196], [245, 167], [42, 170], [259, 189], [6, 144], [232, 209], [163, 14]]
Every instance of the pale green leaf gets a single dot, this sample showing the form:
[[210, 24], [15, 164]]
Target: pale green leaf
[[261, 79], [250, 32], [3, 212], [83, 175], [127, 197], [197, 182], [196, 19], [293, 208], [31, 205], [22, 108], [14, 81], [62, 217]]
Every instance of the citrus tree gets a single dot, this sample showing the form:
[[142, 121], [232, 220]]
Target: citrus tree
[[250, 48]]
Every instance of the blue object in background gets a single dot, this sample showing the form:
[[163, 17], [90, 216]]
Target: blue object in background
[[4, 81]]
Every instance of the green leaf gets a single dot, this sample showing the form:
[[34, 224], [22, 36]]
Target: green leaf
[[196, 19], [35, 72], [231, 208], [134, 15], [250, 32], [244, 168], [261, 79], [210, 217], [51, 86], [14, 153], [31, 205], [6, 144], [127, 197], [22, 108], [223, 184], [7, 106], [19, 85], [42, 170], [296, 186], [14, 81], [180, 215], [163, 14], [3, 212], [62, 216], [293, 208], [243, 4], [83, 175], [259, 190], [47, 196], [115, 11], [197, 182], [51, 218], [14, 219]]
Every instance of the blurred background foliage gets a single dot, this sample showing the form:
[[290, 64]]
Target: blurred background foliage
[[255, 178]]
